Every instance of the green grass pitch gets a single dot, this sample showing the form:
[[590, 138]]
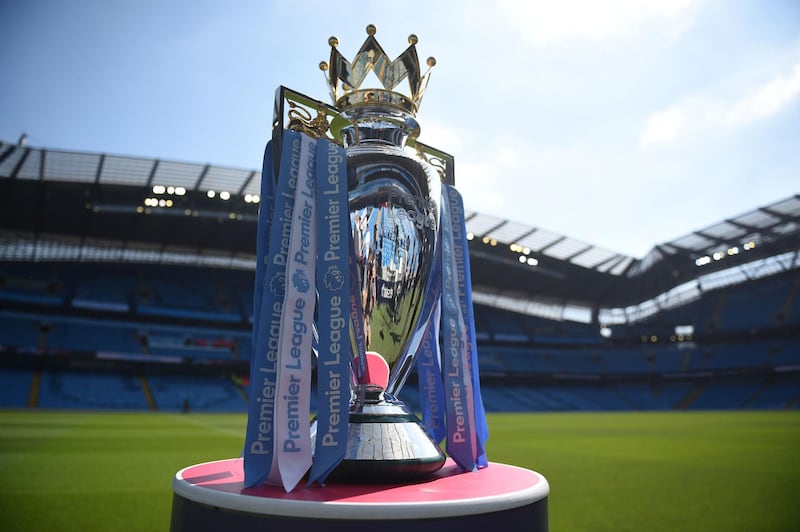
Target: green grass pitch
[[671, 471]]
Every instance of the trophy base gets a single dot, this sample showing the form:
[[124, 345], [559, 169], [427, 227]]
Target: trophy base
[[210, 497], [386, 443]]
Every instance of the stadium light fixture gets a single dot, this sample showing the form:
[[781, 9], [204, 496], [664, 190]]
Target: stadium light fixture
[[702, 261], [470, 236], [159, 189], [224, 195], [522, 259], [180, 191], [211, 194]]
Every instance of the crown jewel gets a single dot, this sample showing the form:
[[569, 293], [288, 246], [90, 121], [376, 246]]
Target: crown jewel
[[345, 78]]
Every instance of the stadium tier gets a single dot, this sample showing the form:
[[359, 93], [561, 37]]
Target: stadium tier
[[116, 293]]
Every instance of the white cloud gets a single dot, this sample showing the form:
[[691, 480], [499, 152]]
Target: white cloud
[[767, 100], [703, 112], [664, 126], [545, 22], [442, 136]]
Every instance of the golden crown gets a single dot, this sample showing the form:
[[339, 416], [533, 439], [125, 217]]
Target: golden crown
[[345, 78]]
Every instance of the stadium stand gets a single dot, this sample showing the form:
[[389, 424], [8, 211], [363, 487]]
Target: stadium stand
[[109, 302], [90, 390]]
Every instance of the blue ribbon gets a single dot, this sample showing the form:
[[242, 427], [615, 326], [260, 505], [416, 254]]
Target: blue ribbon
[[429, 372], [262, 236], [259, 437], [463, 280], [333, 285], [466, 432]]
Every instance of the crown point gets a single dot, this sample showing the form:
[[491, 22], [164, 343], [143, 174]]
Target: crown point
[[431, 61], [413, 39], [371, 29], [333, 41], [323, 66]]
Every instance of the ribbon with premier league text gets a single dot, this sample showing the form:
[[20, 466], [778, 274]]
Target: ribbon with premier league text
[[292, 434], [310, 200], [465, 416], [464, 276], [333, 285], [429, 373], [259, 455]]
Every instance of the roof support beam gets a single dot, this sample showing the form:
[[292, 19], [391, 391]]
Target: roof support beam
[[19, 164], [578, 253], [494, 227], [202, 177], [152, 175], [551, 244], [99, 169], [246, 182]]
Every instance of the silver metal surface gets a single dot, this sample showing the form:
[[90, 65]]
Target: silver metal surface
[[394, 214]]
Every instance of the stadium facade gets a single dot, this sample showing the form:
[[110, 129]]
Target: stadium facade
[[126, 283]]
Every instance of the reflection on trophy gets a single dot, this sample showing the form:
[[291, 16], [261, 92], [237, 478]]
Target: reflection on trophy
[[394, 196]]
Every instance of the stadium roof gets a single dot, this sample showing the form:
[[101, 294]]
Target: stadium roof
[[66, 205]]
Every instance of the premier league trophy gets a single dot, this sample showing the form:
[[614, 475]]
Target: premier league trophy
[[377, 206], [362, 275]]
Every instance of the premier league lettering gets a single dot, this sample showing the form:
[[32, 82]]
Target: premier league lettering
[[334, 392], [333, 284]]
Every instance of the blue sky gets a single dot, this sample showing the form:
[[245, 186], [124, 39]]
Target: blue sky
[[621, 123]]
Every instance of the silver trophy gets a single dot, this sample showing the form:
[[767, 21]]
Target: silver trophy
[[394, 186]]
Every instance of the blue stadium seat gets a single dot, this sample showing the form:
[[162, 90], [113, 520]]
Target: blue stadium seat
[[15, 387]]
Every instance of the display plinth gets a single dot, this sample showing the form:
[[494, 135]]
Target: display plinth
[[212, 496]]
